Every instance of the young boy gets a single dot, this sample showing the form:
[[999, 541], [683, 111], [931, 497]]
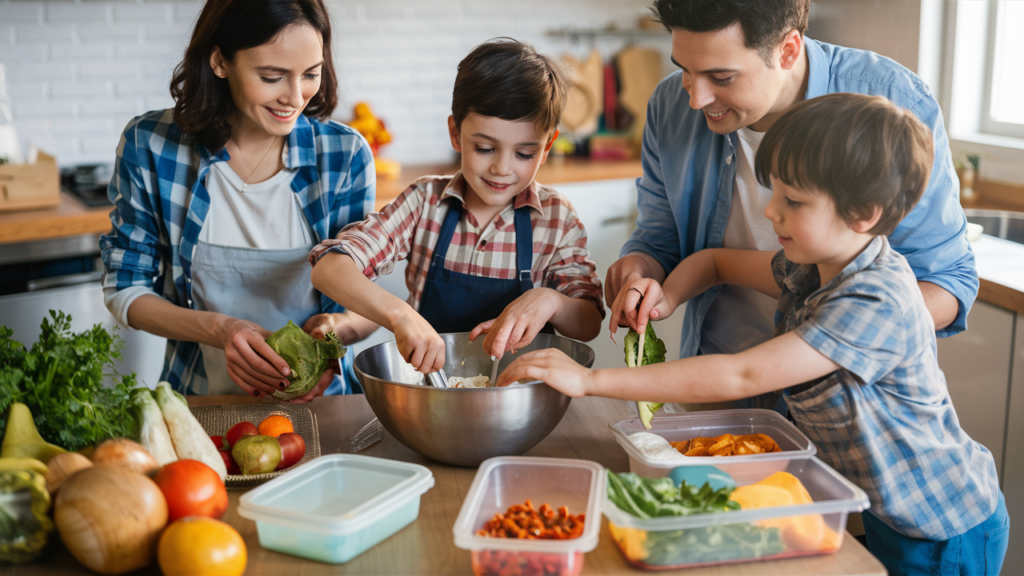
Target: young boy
[[854, 346], [480, 241]]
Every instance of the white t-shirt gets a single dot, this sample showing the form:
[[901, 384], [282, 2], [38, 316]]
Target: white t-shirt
[[265, 215], [740, 318]]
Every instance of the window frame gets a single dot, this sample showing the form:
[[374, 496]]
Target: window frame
[[986, 123]]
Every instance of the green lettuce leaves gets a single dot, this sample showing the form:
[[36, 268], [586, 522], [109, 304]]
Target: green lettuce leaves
[[653, 352], [307, 357]]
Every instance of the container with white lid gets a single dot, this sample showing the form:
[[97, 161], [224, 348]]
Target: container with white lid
[[337, 506], [770, 532], [679, 427], [505, 481]]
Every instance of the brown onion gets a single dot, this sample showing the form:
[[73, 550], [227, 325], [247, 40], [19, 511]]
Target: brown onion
[[63, 466], [110, 518], [127, 454]]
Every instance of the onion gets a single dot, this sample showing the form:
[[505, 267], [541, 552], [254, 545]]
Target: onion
[[110, 518], [127, 454], [63, 466]]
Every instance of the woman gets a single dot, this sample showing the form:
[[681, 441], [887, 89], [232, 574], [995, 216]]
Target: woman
[[219, 200]]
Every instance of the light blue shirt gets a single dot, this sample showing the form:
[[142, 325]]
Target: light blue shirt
[[884, 419], [685, 192]]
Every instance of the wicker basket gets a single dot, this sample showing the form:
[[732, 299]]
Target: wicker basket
[[217, 419]]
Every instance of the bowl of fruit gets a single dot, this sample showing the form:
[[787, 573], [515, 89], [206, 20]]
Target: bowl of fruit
[[260, 442]]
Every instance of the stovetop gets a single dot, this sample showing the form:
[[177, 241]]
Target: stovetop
[[88, 182]]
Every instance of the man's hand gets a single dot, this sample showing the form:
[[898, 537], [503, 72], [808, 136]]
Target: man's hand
[[628, 308], [552, 367], [520, 321], [627, 270]]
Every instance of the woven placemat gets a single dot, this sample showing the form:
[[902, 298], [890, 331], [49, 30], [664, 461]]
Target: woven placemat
[[217, 419]]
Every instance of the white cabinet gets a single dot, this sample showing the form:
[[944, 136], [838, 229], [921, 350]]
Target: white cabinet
[[976, 363], [1013, 461]]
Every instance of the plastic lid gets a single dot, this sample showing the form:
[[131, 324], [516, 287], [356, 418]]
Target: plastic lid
[[793, 442], [276, 502], [543, 477]]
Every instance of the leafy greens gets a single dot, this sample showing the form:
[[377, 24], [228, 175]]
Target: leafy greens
[[307, 357], [62, 379], [653, 352]]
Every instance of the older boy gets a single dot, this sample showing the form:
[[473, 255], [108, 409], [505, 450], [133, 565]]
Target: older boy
[[489, 249], [854, 346], [742, 65]]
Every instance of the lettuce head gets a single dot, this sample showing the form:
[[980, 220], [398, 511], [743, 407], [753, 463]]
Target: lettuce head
[[307, 357]]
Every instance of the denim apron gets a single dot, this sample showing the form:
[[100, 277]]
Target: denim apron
[[456, 302], [268, 287]]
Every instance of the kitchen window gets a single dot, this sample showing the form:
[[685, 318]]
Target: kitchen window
[[1002, 112]]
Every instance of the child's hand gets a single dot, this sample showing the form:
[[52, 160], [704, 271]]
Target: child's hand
[[552, 367], [418, 342], [519, 322], [656, 305], [319, 325]]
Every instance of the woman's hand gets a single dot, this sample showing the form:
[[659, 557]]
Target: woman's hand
[[520, 321], [319, 325], [252, 363], [629, 310], [418, 342], [552, 367]]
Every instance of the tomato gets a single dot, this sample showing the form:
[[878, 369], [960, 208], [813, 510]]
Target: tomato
[[293, 448], [199, 546], [220, 442], [229, 462], [191, 489], [239, 430]]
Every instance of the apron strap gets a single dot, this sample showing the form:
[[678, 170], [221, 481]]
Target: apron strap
[[524, 248], [444, 238]]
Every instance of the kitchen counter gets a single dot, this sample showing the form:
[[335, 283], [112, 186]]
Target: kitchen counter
[[1000, 266], [426, 546]]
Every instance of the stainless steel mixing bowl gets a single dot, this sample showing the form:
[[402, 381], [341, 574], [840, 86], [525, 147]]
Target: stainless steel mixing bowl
[[464, 426]]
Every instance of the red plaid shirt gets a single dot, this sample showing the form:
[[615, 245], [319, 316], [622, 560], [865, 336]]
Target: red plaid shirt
[[409, 226]]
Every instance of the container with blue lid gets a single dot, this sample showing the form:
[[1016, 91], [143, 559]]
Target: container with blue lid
[[336, 507]]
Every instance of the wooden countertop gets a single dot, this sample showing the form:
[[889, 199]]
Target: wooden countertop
[[426, 546]]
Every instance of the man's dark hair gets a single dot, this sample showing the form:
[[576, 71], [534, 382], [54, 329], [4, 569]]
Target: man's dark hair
[[203, 103], [862, 151], [508, 79], [765, 22]]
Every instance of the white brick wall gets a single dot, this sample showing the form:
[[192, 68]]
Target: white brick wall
[[78, 71]]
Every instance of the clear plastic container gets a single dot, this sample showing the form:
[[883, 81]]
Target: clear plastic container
[[743, 535], [676, 428], [336, 507], [505, 481]]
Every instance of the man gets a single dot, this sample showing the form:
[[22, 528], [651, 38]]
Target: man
[[743, 64]]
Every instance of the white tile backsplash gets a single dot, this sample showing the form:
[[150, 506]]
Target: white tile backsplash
[[77, 71]]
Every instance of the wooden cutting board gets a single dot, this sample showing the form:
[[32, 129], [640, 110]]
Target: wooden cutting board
[[639, 73], [586, 96]]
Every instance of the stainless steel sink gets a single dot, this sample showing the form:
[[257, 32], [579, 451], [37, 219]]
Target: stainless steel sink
[[999, 223]]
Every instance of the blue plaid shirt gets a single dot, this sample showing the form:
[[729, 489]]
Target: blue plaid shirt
[[160, 203], [884, 420]]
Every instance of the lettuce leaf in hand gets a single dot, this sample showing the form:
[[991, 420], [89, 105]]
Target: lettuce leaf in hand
[[653, 352], [307, 357]]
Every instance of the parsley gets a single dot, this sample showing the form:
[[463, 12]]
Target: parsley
[[63, 380]]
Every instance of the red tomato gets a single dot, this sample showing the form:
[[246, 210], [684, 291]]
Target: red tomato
[[293, 448], [239, 430], [229, 461], [192, 489], [220, 443]]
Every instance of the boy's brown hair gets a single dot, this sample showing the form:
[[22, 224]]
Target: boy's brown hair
[[508, 79], [862, 151]]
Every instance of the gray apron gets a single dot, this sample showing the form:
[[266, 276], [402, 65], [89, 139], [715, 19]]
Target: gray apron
[[268, 287]]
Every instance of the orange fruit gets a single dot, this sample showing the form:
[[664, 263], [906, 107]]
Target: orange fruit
[[275, 425], [201, 546]]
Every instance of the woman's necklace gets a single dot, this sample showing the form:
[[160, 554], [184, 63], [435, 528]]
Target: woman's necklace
[[245, 181]]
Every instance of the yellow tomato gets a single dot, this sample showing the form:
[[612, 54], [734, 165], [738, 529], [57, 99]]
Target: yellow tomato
[[201, 546]]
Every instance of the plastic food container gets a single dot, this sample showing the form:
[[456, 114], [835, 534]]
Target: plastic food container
[[744, 469], [505, 481], [336, 507], [743, 535]]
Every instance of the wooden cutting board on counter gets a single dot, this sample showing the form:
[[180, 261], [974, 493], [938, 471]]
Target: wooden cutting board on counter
[[639, 73]]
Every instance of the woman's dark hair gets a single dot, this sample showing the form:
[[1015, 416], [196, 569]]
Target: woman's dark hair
[[508, 79], [765, 22], [862, 151], [202, 102]]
